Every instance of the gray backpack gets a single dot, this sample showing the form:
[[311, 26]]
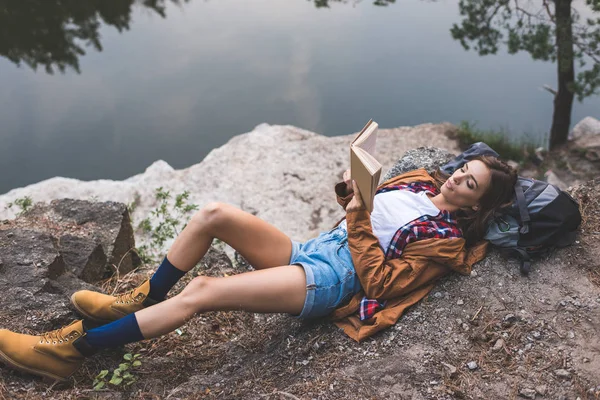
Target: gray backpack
[[540, 218]]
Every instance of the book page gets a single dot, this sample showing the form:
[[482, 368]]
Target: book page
[[367, 138]]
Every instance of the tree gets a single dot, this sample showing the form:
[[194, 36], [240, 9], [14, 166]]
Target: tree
[[549, 30], [54, 34]]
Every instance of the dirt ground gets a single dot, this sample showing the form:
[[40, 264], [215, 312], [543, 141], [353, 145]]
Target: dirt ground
[[494, 335]]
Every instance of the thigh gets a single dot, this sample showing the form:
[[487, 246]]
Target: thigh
[[260, 243]]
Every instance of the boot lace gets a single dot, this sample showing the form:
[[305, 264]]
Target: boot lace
[[128, 297], [58, 337]]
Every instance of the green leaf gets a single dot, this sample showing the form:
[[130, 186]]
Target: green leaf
[[137, 355], [116, 372], [128, 356], [137, 363], [127, 375], [116, 380], [102, 374], [124, 366], [99, 385]]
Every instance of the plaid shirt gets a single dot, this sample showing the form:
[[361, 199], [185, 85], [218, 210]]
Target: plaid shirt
[[441, 226]]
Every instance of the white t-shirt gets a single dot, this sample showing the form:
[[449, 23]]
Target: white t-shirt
[[394, 209]]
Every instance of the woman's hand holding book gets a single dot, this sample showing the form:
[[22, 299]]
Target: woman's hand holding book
[[356, 203]]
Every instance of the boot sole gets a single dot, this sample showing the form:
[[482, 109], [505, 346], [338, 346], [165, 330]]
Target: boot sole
[[10, 362], [80, 311]]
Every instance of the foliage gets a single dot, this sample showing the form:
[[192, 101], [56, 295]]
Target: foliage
[[490, 23], [54, 34], [168, 222], [497, 140], [24, 204], [549, 30], [121, 376]]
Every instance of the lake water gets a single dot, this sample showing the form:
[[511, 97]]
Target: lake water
[[174, 88]]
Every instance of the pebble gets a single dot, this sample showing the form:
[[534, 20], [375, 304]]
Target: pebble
[[586, 360], [510, 318], [562, 373], [498, 345], [450, 369], [571, 335], [472, 365], [527, 393], [438, 295], [465, 327], [10, 234], [474, 275], [536, 334], [460, 302], [542, 389]]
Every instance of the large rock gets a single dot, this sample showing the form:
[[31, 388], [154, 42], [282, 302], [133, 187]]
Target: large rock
[[95, 239], [30, 265], [589, 126], [53, 250], [429, 158], [283, 174]]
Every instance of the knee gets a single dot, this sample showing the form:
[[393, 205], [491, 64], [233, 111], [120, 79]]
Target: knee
[[191, 296], [210, 216]]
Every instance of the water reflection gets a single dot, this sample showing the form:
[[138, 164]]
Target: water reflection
[[325, 3], [54, 34]]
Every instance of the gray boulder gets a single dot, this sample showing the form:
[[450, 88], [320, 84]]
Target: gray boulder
[[51, 251], [429, 158], [94, 238], [589, 126]]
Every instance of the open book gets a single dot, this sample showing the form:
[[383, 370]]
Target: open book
[[364, 168]]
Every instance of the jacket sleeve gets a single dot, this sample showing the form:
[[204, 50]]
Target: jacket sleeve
[[379, 278], [343, 197]]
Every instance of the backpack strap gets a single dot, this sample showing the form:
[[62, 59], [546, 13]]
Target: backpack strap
[[524, 214], [525, 260]]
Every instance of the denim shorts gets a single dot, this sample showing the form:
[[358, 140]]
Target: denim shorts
[[330, 276]]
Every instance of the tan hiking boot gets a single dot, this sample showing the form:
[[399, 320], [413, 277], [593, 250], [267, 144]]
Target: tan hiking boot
[[55, 355], [104, 308]]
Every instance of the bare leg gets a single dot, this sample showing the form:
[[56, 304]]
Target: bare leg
[[273, 290], [259, 242]]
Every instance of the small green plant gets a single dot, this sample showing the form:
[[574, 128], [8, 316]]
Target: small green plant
[[497, 140], [133, 205], [166, 223], [121, 376], [24, 204]]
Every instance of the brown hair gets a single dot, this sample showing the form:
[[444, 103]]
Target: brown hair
[[498, 194]]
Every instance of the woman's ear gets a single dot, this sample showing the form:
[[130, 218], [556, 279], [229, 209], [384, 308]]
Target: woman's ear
[[475, 207]]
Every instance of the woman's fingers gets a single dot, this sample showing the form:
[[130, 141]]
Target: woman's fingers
[[355, 188], [356, 203]]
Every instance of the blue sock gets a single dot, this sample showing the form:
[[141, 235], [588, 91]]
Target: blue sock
[[165, 277], [117, 333]]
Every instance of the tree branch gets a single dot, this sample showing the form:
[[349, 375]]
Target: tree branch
[[585, 51], [547, 7]]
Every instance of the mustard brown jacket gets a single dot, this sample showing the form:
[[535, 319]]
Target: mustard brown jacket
[[402, 281]]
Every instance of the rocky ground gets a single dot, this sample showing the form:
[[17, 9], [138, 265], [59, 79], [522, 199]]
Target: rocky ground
[[494, 335]]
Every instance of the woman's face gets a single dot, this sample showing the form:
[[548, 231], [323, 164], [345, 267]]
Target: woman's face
[[467, 184]]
